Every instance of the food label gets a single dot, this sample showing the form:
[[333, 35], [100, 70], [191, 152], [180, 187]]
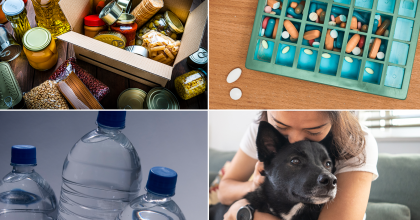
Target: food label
[[124, 28]]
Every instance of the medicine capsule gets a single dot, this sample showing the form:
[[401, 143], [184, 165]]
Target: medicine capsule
[[375, 26], [299, 8], [352, 43], [364, 28], [291, 29], [322, 17], [375, 48], [353, 24], [383, 27]]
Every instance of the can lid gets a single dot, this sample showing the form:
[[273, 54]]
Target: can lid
[[9, 48], [37, 39], [110, 13], [125, 5], [10, 93], [162, 181], [115, 119], [126, 18], [161, 98], [174, 22], [113, 38], [132, 98], [23, 154], [199, 57], [93, 21], [13, 7], [138, 50]]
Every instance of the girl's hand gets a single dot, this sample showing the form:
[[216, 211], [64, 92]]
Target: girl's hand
[[233, 210], [258, 178]]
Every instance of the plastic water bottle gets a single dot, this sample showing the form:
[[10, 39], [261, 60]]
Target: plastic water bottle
[[24, 194], [102, 172], [156, 204]]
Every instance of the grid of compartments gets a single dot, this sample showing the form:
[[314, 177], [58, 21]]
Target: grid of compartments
[[320, 60]]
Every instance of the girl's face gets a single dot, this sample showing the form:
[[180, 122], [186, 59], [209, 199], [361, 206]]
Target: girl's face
[[301, 125]]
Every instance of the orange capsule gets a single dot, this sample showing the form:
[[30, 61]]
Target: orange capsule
[[375, 48], [352, 43]]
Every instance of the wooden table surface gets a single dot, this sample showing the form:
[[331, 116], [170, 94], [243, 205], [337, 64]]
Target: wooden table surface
[[29, 77], [230, 29]]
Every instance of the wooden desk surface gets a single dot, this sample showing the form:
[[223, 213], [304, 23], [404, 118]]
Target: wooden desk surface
[[29, 78], [230, 32]]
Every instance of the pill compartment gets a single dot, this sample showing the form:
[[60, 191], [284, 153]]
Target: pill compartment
[[386, 6], [403, 29], [383, 27], [295, 9], [307, 59], [264, 54], [347, 2], [312, 36], [334, 40], [372, 72], [340, 15], [285, 55], [317, 11], [350, 68], [329, 63], [361, 45], [268, 9], [363, 17], [394, 77], [365, 3], [399, 53], [375, 52], [408, 8], [269, 26], [285, 35]]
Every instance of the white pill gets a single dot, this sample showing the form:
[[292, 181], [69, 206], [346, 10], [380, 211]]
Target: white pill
[[326, 55], [285, 35], [343, 18], [356, 51], [386, 33], [307, 51], [380, 55], [276, 5], [234, 75], [286, 49], [348, 59], [235, 93], [332, 23], [369, 70], [315, 44], [262, 32], [334, 34], [313, 16], [264, 44]]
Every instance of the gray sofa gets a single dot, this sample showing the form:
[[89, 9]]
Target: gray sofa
[[395, 195]]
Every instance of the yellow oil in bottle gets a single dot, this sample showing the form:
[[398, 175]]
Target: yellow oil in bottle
[[50, 16]]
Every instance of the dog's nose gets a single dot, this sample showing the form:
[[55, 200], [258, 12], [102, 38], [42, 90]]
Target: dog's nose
[[329, 181]]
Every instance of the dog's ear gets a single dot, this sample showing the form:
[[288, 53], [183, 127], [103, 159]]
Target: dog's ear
[[269, 141]]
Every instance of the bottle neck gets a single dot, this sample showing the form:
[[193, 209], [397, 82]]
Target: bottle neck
[[151, 197], [23, 168], [108, 130]]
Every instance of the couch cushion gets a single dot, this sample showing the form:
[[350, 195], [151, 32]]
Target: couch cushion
[[387, 211], [218, 158], [398, 182]]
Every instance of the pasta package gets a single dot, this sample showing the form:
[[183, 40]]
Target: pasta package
[[160, 47]]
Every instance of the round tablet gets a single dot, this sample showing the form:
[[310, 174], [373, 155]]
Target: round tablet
[[264, 44], [313, 16], [286, 49], [234, 75], [315, 44], [369, 70], [343, 18], [285, 35], [326, 55], [356, 51], [380, 55], [307, 51], [267, 9], [235, 93], [334, 34], [348, 59]]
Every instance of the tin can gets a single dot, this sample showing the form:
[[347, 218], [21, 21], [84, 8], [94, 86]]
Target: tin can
[[9, 48], [139, 50], [113, 38], [198, 59], [10, 93], [161, 98], [111, 12], [132, 98]]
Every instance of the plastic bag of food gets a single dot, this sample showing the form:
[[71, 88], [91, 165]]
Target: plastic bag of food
[[161, 48], [45, 96]]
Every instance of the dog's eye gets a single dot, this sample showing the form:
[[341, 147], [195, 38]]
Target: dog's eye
[[295, 161], [328, 164]]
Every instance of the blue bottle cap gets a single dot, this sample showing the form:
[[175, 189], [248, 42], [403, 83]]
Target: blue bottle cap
[[13, 7], [114, 119], [23, 154], [162, 181]]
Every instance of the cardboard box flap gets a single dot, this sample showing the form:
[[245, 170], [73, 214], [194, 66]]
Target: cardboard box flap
[[148, 65], [75, 15], [180, 8], [193, 32]]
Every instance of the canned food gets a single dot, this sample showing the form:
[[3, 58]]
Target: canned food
[[198, 59], [10, 93], [113, 38], [161, 98], [132, 98], [10, 49]]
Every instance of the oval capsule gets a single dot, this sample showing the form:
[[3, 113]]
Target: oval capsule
[[299, 8], [353, 24], [352, 43], [369, 70], [310, 35], [329, 41], [270, 27], [291, 29], [375, 48], [383, 27]]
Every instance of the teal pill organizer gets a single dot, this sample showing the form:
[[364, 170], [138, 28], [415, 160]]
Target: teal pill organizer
[[388, 77]]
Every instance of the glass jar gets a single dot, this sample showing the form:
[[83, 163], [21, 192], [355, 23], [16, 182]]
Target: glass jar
[[3, 18], [15, 12], [167, 24], [127, 26], [50, 16], [191, 84], [40, 48], [94, 25]]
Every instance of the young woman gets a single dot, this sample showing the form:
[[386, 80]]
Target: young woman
[[355, 150]]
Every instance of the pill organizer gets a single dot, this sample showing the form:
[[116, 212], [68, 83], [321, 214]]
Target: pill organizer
[[388, 77]]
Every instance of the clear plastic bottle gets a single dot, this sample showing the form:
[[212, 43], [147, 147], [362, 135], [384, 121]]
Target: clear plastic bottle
[[102, 172], [156, 204], [24, 194]]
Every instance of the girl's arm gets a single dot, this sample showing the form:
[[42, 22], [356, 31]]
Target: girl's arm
[[352, 197]]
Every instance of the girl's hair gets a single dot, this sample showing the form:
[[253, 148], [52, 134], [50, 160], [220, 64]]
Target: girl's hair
[[346, 135]]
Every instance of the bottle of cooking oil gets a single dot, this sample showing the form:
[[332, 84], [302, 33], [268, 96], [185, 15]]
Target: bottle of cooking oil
[[50, 16]]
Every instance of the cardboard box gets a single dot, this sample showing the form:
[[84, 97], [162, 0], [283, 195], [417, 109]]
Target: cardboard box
[[132, 66]]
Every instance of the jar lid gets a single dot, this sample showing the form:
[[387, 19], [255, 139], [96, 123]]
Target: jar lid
[[93, 21], [110, 13], [36, 39], [126, 18], [10, 93], [132, 98], [13, 7], [138, 50], [9, 48], [174, 22], [161, 98], [199, 57]]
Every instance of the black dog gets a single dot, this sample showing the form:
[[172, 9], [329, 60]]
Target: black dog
[[298, 177]]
